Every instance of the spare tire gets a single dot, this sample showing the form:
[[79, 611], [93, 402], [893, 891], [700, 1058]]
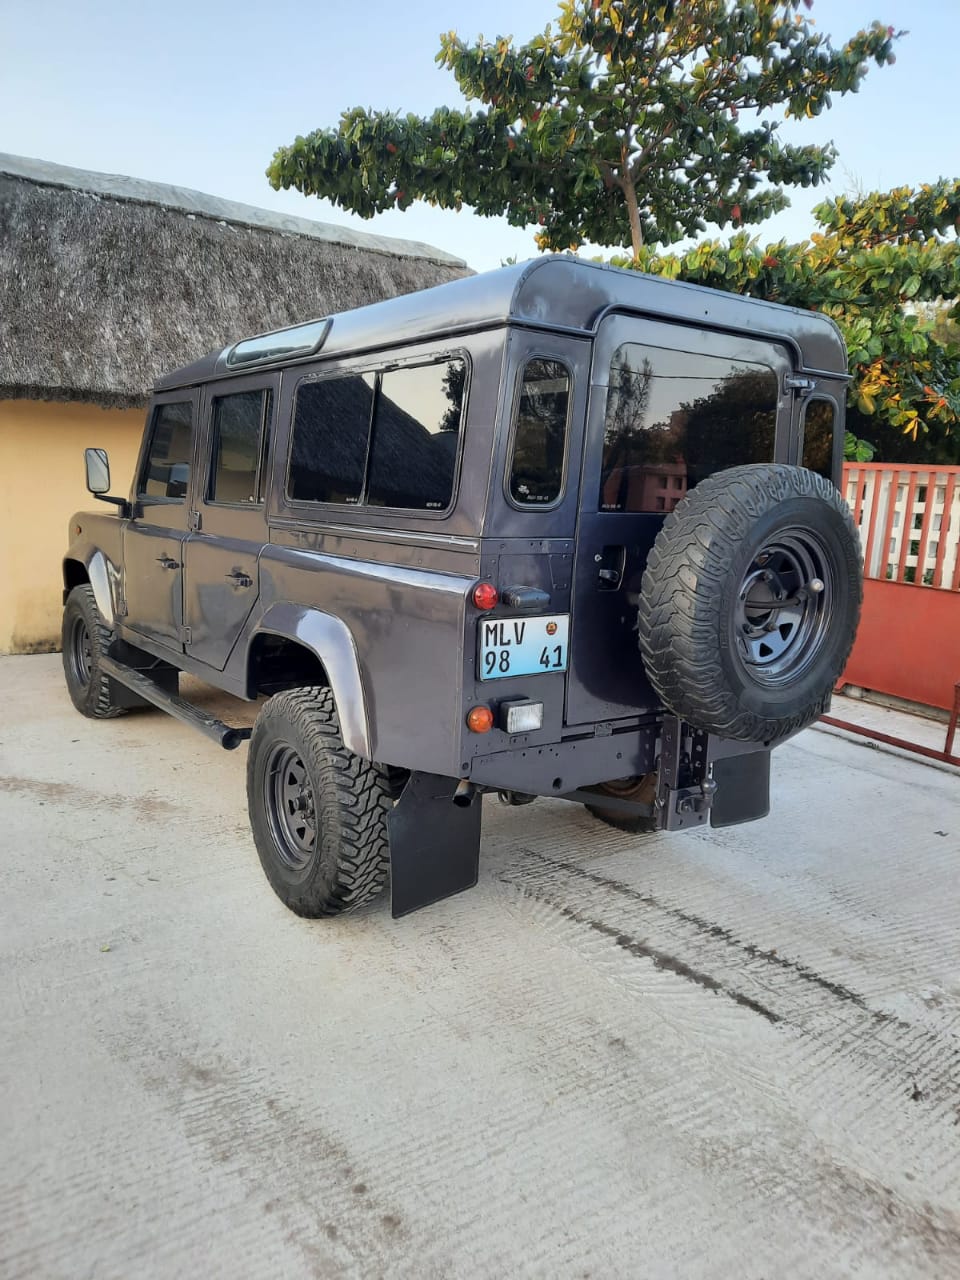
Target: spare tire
[[750, 602]]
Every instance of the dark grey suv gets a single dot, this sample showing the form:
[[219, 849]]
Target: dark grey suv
[[556, 530]]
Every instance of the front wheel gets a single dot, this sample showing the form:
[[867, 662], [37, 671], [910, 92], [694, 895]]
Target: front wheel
[[318, 812], [85, 639]]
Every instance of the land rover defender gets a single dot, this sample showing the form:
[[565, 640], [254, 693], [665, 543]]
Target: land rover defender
[[556, 530]]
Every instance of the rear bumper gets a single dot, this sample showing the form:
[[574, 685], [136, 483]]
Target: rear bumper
[[700, 778]]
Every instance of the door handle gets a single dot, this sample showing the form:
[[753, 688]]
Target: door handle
[[611, 564], [167, 563], [239, 579]]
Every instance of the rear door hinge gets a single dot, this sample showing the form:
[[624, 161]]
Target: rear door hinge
[[196, 521], [797, 382], [186, 635]]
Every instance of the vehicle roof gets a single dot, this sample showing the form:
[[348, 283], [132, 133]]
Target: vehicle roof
[[558, 292]]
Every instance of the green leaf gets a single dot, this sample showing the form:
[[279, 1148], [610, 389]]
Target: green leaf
[[912, 287]]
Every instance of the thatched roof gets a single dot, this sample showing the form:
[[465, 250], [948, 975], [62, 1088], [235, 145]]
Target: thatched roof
[[108, 282]]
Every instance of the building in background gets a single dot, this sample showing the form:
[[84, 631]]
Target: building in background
[[106, 283]]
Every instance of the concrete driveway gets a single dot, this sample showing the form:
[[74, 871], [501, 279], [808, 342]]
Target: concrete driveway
[[723, 1054]]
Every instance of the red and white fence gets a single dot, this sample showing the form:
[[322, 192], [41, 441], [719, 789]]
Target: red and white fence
[[909, 521], [908, 644]]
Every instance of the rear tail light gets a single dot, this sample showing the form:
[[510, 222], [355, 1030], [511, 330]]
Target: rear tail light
[[485, 596], [479, 719]]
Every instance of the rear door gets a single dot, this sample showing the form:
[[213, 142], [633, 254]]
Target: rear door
[[668, 407], [221, 557]]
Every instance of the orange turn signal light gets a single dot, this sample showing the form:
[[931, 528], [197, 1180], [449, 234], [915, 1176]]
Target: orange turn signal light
[[479, 719], [485, 595]]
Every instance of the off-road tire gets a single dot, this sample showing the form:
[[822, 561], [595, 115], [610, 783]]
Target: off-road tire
[[84, 639], [638, 826], [643, 788], [348, 798], [707, 560], [395, 778]]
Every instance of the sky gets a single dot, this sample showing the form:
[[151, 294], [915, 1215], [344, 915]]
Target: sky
[[199, 93]]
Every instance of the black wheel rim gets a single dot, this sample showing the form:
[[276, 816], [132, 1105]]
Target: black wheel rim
[[783, 609], [291, 807], [81, 652]]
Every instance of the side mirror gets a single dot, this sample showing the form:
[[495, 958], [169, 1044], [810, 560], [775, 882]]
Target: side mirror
[[98, 479], [98, 470]]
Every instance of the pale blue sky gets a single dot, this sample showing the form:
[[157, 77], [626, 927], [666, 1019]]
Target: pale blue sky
[[200, 92]]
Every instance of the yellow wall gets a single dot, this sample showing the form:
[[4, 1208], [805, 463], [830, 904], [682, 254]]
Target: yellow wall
[[41, 465]]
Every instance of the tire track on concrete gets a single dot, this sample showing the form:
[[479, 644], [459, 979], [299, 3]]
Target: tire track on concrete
[[722, 958], [238, 1118], [887, 1057], [792, 1164], [708, 929]]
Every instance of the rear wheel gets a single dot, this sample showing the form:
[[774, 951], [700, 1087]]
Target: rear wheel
[[638, 826], [640, 790], [318, 812], [85, 639]]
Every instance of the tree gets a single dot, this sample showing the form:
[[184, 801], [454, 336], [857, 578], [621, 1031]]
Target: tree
[[886, 268], [622, 126]]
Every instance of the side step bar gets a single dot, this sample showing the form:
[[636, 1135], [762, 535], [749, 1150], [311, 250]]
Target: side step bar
[[150, 691]]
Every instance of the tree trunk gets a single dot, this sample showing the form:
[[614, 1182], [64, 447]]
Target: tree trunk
[[633, 209]]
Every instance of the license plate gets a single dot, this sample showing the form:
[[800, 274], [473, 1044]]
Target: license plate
[[523, 646]]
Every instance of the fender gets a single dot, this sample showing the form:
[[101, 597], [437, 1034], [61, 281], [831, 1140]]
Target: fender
[[103, 576], [99, 572], [332, 642]]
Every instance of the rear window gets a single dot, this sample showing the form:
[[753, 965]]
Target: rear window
[[239, 423], [675, 417], [540, 436], [818, 437], [386, 439]]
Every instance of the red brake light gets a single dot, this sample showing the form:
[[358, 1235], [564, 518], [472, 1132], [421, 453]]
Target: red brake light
[[485, 595]]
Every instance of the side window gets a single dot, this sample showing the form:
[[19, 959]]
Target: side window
[[540, 436], [240, 422], [331, 428], [166, 469], [416, 430], [818, 420], [381, 439], [674, 417]]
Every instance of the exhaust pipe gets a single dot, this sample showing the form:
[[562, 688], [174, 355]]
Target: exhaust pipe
[[463, 796]]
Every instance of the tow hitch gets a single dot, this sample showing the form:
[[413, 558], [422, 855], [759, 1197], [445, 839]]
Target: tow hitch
[[703, 779]]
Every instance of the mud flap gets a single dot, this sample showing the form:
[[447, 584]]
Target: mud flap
[[743, 789], [434, 844]]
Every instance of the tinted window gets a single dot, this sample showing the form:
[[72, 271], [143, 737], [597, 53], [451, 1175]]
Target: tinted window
[[818, 437], [166, 471], [413, 457], [331, 427], [536, 470], [238, 422], [673, 418]]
